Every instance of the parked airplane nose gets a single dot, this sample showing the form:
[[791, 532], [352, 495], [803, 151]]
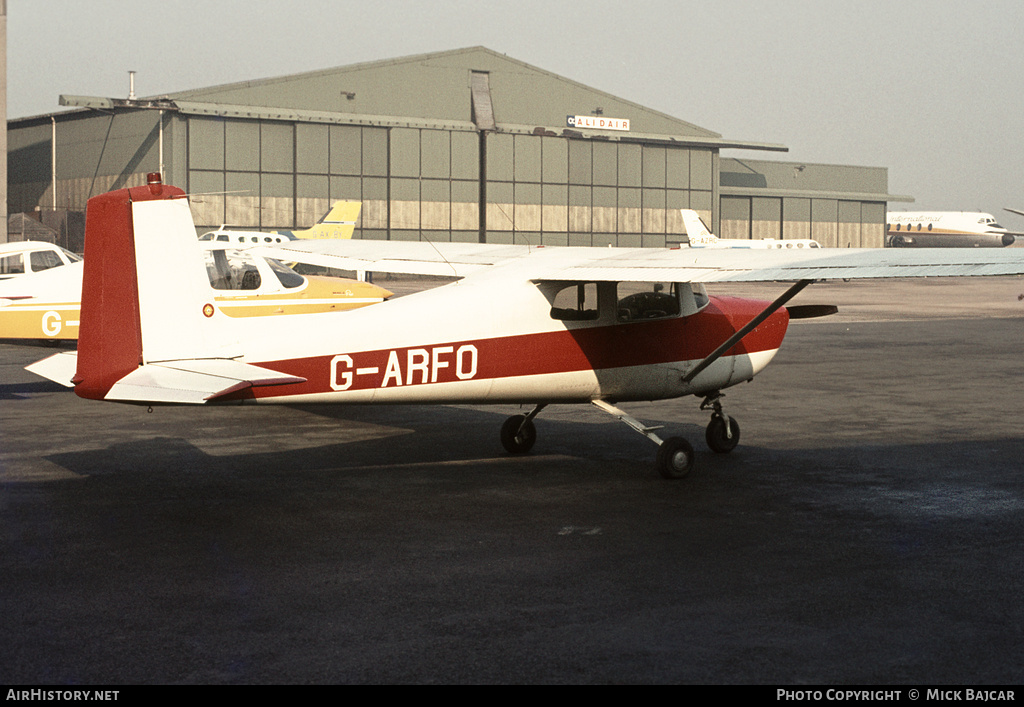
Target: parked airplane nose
[[767, 336], [754, 340]]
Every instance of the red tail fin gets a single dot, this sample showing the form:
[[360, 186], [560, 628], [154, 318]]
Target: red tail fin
[[110, 337]]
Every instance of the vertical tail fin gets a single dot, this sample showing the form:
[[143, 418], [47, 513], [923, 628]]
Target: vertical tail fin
[[146, 296], [110, 338], [696, 232], [339, 222], [700, 236]]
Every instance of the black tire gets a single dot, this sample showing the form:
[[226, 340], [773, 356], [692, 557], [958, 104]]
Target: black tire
[[517, 437], [716, 437], [675, 458]]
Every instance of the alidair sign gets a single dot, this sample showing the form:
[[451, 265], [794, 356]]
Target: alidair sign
[[598, 122]]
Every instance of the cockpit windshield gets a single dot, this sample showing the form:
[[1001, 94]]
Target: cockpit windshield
[[288, 277], [231, 269]]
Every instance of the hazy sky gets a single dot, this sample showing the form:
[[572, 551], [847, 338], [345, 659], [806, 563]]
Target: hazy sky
[[932, 90]]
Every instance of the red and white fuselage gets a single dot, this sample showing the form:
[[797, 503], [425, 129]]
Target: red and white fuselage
[[151, 332], [497, 342]]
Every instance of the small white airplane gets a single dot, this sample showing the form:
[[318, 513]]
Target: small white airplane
[[339, 222], [945, 229], [699, 236], [521, 324]]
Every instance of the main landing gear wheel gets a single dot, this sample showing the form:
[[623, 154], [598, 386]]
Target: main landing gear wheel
[[720, 440], [518, 434], [675, 458]]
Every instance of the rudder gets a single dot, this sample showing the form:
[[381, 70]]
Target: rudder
[[110, 334]]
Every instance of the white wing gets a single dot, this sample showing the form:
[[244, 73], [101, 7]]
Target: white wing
[[409, 257], [688, 265], [653, 265]]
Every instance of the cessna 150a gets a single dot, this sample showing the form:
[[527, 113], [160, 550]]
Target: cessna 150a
[[520, 325]]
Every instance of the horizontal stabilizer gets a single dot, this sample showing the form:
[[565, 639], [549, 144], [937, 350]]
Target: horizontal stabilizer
[[59, 368], [193, 381]]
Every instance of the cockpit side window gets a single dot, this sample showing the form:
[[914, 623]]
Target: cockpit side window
[[232, 270], [44, 260], [12, 264], [622, 302], [652, 301], [655, 300], [648, 303], [575, 302]]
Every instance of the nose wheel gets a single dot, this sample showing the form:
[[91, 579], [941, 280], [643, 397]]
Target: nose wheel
[[723, 432]]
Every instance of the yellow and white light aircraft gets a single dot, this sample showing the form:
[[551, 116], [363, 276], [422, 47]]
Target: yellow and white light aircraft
[[41, 288], [945, 229], [520, 325], [339, 222]]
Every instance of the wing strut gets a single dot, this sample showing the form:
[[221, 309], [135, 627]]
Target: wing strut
[[751, 325]]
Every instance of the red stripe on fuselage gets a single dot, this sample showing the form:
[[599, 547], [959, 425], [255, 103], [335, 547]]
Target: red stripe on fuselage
[[589, 348]]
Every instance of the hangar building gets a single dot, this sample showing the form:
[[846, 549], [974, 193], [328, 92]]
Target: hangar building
[[464, 145]]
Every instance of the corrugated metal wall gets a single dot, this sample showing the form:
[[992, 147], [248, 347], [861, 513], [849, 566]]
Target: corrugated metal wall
[[425, 183]]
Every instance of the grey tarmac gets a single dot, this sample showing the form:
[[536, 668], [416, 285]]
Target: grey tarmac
[[867, 530]]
